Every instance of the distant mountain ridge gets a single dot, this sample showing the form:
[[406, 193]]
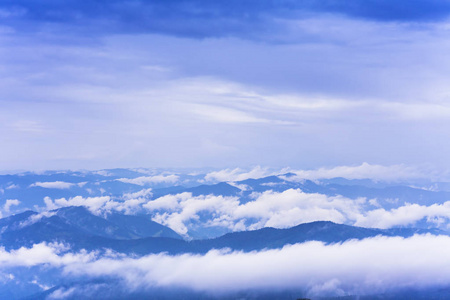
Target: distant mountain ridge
[[76, 224], [81, 229]]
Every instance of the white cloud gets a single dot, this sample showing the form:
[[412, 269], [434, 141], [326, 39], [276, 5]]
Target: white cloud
[[144, 180], [12, 186], [292, 207], [103, 173], [128, 207], [175, 211], [242, 187], [61, 293], [286, 209], [373, 265], [280, 210], [405, 215], [36, 218], [237, 174], [226, 115], [97, 205], [369, 266], [53, 185], [52, 254], [363, 171], [9, 203], [144, 193]]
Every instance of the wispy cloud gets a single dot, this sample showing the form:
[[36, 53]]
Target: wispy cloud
[[100, 205], [148, 180], [365, 171], [53, 185], [27, 126], [237, 174]]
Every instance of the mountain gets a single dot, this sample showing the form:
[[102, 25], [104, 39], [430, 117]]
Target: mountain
[[138, 234], [78, 226], [324, 231]]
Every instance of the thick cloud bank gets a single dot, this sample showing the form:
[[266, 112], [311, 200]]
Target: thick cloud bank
[[373, 265]]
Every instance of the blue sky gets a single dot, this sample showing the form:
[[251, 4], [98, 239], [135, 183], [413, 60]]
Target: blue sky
[[102, 84]]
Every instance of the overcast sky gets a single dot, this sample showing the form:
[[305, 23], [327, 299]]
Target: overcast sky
[[196, 83]]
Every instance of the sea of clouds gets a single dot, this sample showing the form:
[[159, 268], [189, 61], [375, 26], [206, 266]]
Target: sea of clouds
[[373, 265]]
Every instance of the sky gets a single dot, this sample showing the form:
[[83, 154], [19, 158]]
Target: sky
[[195, 83]]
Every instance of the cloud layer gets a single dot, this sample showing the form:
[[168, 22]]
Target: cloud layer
[[370, 266], [225, 99], [182, 212]]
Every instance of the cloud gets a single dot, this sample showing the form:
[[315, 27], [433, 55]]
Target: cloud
[[175, 211], [128, 207], [36, 218], [182, 212], [104, 173], [357, 267], [237, 174], [28, 126], [9, 203], [53, 185], [12, 186], [144, 193], [408, 214], [98, 205], [363, 171], [226, 115], [292, 207], [94, 204], [61, 293], [273, 209], [52, 254], [353, 96], [145, 180]]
